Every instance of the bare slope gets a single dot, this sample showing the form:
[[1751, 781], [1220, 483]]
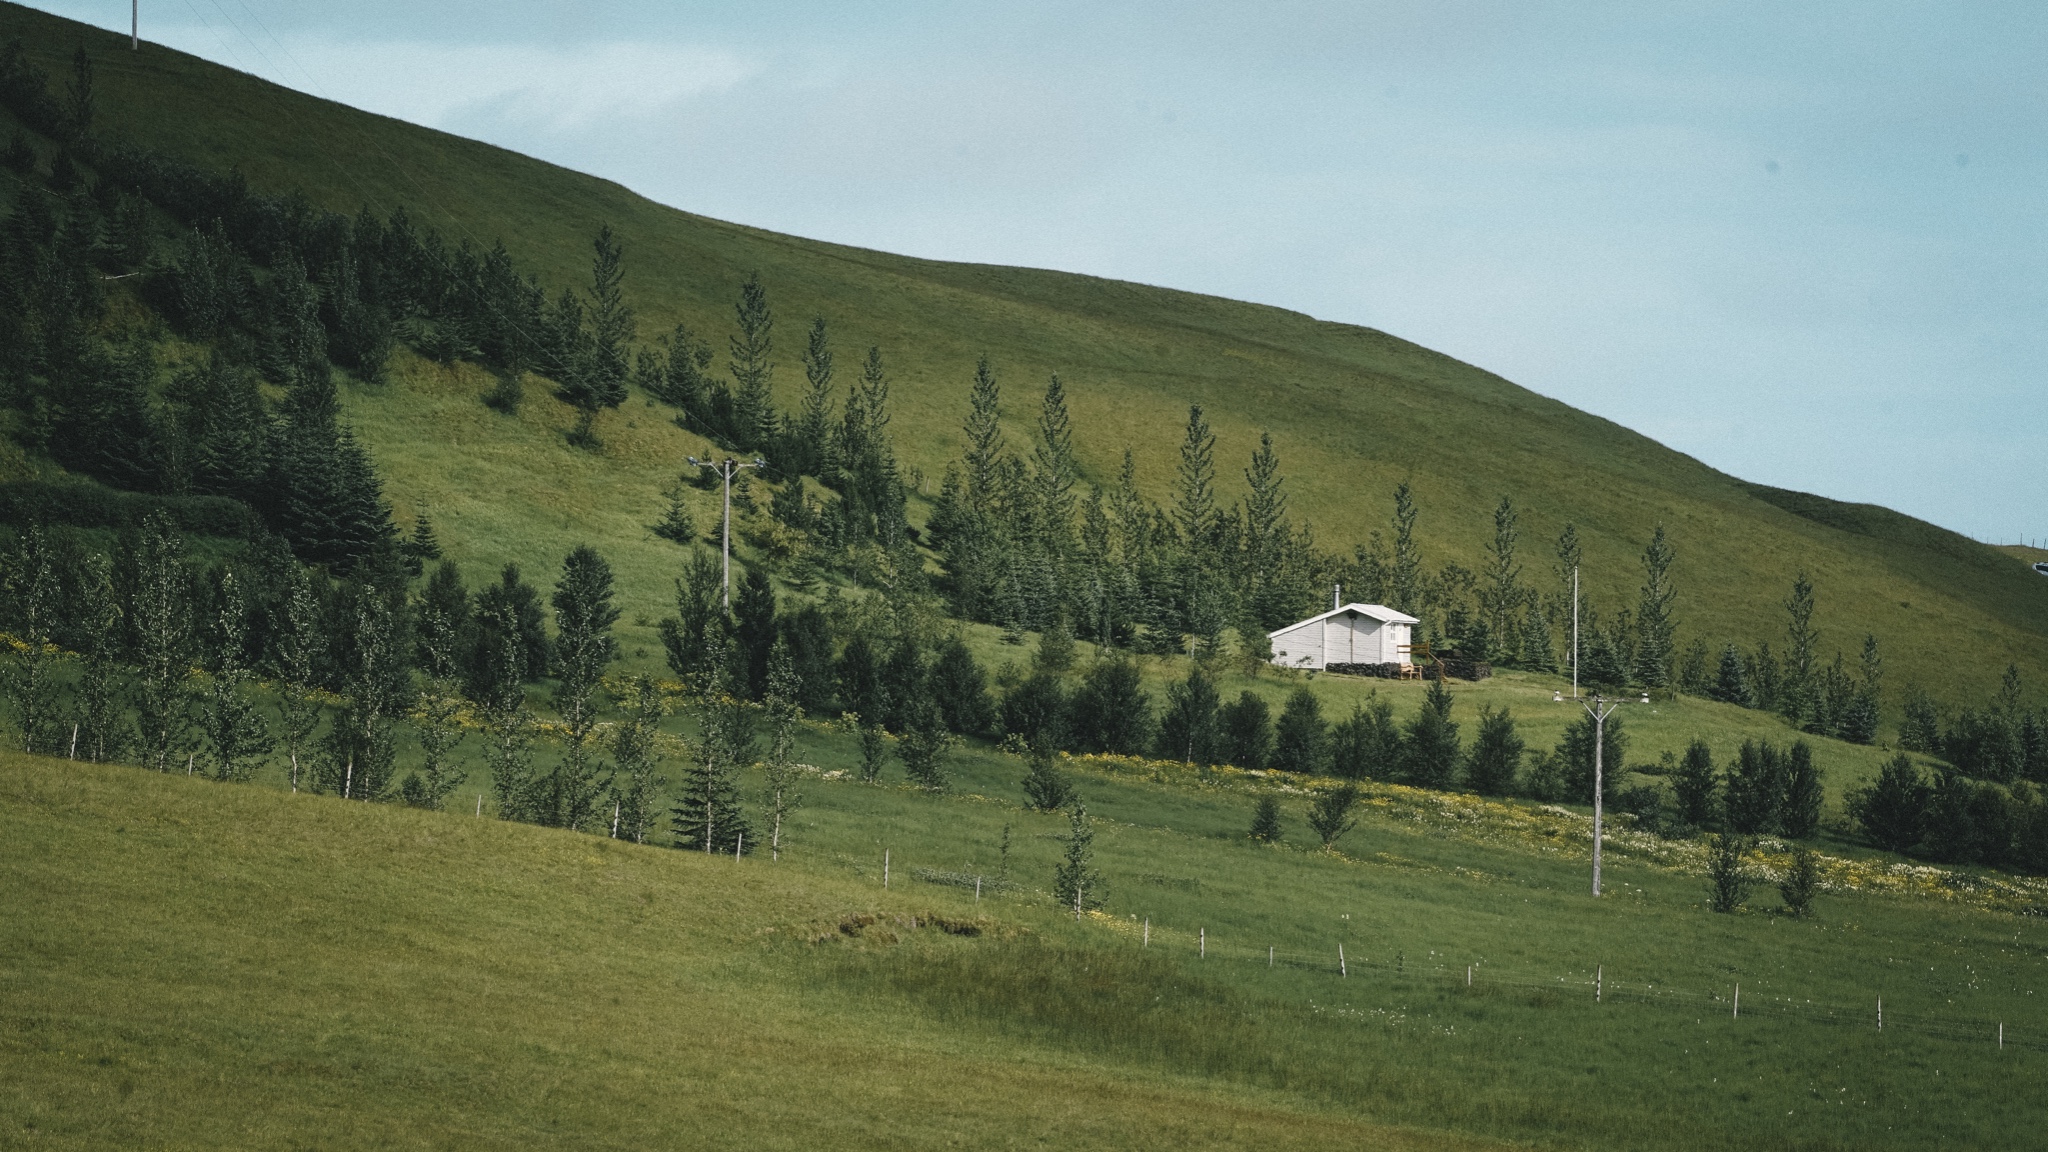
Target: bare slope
[[1353, 410]]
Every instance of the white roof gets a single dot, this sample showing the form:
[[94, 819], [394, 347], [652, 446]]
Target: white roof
[[1379, 612]]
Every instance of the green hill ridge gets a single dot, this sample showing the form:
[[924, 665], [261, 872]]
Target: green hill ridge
[[1352, 411]]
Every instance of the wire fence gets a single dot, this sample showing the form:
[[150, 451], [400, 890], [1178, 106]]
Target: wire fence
[[1595, 988]]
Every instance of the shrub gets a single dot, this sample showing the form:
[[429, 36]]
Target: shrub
[[1266, 821], [1728, 880]]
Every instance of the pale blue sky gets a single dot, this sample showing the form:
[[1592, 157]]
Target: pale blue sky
[[1805, 243]]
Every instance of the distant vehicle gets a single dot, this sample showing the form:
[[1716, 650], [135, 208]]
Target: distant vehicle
[[2041, 567]]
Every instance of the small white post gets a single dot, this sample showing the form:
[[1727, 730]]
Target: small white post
[[2001, 1035], [190, 755], [1148, 933], [1880, 1013], [738, 845], [1599, 977], [615, 820], [1736, 1013], [1468, 975], [885, 867], [1203, 943], [1269, 962], [977, 889], [1341, 969], [479, 804]]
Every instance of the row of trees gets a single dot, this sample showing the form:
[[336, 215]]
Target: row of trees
[[147, 657]]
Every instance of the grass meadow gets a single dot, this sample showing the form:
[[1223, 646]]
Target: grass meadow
[[195, 964]]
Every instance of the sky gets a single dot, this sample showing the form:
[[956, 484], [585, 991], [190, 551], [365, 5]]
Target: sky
[[1805, 244]]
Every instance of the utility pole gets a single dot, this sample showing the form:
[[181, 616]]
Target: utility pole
[[135, 25], [1600, 709], [726, 468]]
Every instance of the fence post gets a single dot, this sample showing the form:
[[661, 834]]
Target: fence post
[[885, 867], [977, 889], [1880, 1013], [1204, 943], [1269, 964], [1148, 933], [1341, 969], [739, 844], [1599, 977], [2001, 1035], [1737, 1013], [479, 805], [1468, 975]]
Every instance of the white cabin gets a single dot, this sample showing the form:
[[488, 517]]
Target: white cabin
[[1353, 634]]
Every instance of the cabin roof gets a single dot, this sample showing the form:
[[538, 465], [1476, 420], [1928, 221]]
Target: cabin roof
[[1377, 612]]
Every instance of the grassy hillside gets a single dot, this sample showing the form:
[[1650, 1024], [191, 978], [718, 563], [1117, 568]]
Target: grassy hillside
[[1352, 410], [189, 964]]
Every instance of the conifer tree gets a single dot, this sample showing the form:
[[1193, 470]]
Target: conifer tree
[[584, 648], [1801, 882], [97, 706], [959, 688], [753, 612], [1187, 731], [1330, 813], [299, 651], [1728, 880], [1496, 754], [752, 373], [1404, 574], [1731, 679], [806, 447], [1893, 808], [1799, 810], [922, 747], [638, 754], [1430, 751], [1695, 784], [1195, 491], [1654, 625], [1266, 819], [236, 737], [1076, 884], [687, 634], [31, 676], [1247, 731], [1802, 643], [603, 380], [1266, 537], [1367, 744], [1500, 591], [162, 616], [1056, 646], [1055, 472], [1046, 788], [676, 523], [1756, 789], [708, 814], [1859, 720], [1300, 737], [783, 776]]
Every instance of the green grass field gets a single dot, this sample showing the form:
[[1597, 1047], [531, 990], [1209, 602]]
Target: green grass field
[[1352, 410], [191, 964], [194, 964]]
